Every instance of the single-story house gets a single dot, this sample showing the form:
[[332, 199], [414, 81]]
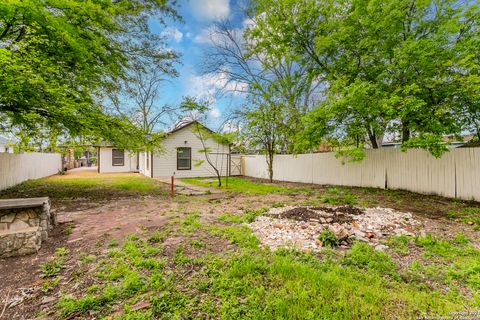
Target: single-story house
[[181, 156]]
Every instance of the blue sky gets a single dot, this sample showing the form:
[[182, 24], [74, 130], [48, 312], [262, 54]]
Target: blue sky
[[190, 39]]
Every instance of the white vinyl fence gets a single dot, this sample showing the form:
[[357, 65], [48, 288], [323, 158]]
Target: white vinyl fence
[[456, 174], [16, 168]]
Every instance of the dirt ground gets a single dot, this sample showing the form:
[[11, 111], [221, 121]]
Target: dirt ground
[[85, 228]]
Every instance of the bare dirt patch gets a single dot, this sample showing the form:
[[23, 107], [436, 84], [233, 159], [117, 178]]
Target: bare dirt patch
[[341, 214]]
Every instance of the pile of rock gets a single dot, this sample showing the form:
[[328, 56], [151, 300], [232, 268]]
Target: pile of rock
[[300, 226]]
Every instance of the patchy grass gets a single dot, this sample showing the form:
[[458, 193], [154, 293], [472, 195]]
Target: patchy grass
[[151, 277], [427, 205], [399, 244], [247, 217], [468, 215], [211, 266], [92, 186], [338, 196], [241, 185]]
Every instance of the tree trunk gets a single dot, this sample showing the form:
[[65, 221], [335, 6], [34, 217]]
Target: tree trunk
[[405, 131], [270, 165], [219, 180], [373, 140], [207, 157]]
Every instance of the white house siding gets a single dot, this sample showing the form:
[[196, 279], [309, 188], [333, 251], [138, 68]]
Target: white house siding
[[129, 165], [143, 164], [165, 163]]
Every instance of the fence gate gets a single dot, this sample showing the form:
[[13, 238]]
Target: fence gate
[[235, 165]]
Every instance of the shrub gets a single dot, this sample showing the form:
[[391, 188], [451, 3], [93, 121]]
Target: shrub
[[328, 238]]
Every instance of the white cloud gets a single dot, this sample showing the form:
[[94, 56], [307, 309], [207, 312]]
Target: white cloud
[[173, 33], [210, 10], [208, 35], [215, 113], [206, 86], [204, 37]]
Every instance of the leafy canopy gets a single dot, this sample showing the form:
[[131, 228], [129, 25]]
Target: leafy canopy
[[406, 69], [58, 59]]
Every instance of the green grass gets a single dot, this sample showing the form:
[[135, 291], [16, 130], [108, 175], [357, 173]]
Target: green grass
[[241, 185], [246, 281], [469, 215], [95, 187], [399, 243], [248, 217], [338, 196]]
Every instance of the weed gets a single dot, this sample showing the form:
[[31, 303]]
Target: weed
[[338, 196], [191, 222], [328, 238], [61, 252], [241, 236], [157, 237], [461, 239], [250, 216], [169, 305], [278, 205], [196, 244], [49, 285], [180, 257], [89, 258], [113, 243], [231, 218], [51, 268], [68, 229]]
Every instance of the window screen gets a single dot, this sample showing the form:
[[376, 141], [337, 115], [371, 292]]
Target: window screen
[[118, 157], [184, 159]]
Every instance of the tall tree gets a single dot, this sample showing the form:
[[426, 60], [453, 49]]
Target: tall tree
[[59, 57], [137, 101], [278, 89], [389, 66]]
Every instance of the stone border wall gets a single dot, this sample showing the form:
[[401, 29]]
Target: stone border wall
[[24, 224]]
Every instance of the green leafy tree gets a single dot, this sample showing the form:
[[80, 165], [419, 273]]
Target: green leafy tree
[[58, 58], [264, 129], [389, 67]]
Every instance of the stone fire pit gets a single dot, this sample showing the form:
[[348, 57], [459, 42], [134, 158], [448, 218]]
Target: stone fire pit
[[300, 226], [24, 224]]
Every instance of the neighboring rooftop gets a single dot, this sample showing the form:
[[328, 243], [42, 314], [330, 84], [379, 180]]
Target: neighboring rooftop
[[4, 140]]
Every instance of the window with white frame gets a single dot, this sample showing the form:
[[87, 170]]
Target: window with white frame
[[184, 158], [118, 157]]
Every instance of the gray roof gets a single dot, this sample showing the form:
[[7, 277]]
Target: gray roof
[[187, 124]]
